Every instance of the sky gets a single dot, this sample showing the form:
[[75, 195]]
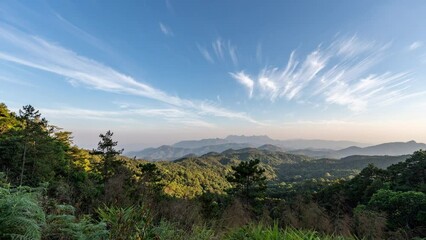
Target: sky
[[156, 72]]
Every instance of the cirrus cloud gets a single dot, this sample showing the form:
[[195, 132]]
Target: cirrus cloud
[[31, 51], [340, 74]]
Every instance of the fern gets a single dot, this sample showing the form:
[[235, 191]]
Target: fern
[[21, 217], [64, 225]]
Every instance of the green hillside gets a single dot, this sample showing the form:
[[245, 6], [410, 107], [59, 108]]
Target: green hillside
[[193, 176], [52, 189]]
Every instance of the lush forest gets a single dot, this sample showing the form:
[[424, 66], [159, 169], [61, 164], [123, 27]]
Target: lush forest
[[52, 189]]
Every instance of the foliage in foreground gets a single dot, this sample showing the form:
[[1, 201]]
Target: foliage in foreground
[[21, 217], [63, 224], [126, 223], [260, 232]]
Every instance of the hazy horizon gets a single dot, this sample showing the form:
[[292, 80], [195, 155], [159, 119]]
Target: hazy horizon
[[90, 141], [158, 72]]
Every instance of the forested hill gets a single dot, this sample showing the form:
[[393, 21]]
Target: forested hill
[[52, 189], [208, 172]]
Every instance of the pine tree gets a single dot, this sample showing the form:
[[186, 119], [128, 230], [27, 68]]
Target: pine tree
[[106, 150], [248, 180], [109, 164]]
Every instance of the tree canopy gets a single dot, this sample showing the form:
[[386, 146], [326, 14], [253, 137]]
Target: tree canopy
[[248, 179]]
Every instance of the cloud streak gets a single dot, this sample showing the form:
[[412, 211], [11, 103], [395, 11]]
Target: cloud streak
[[205, 53], [80, 33], [166, 30], [129, 115], [220, 51], [338, 74], [35, 52]]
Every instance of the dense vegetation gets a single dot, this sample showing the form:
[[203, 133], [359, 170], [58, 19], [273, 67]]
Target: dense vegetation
[[51, 189]]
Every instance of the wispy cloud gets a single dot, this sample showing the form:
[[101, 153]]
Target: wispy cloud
[[35, 52], [78, 113], [205, 53], [244, 80], [55, 59], [340, 74], [128, 115], [208, 109], [268, 86], [221, 51], [352, 46], [233, 53], [415, 45], [82, 34], [15, 81], [218, 47], [165, 30], [374, 89]]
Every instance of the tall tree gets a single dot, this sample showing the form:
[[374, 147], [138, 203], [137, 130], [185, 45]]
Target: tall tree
[[110, 167], [33, 126], [42, 154], [149, 181], [28, 152], [106, 150], [248, 180]]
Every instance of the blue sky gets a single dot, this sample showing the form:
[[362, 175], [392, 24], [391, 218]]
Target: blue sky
[[156, 72]]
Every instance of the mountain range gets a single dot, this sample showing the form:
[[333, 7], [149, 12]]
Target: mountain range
[[311, 148], [390, 149], [256, 141]]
